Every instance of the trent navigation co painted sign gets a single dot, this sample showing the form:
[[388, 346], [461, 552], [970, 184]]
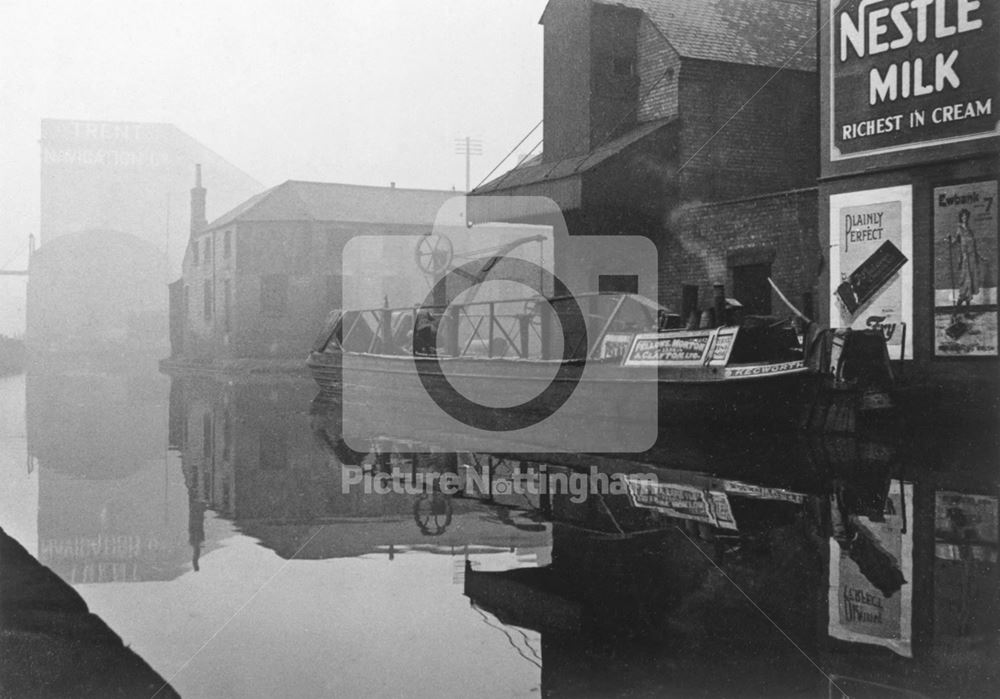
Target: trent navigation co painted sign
[[911, 73]]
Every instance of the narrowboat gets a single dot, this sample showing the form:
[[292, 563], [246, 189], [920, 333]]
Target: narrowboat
[[742, 369]]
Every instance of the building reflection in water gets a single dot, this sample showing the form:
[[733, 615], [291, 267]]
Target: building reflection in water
[[112, 506], [752, 565], [253, 453]]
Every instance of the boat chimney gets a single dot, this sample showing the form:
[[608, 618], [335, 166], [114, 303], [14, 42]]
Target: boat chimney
[[693, 319], [719, 301], [689, 301], [707, 319]]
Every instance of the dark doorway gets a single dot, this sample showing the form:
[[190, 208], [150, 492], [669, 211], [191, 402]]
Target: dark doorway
[[618, 283], [750, 287]]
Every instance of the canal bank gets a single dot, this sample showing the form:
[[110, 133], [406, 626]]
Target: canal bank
[[52, 645]]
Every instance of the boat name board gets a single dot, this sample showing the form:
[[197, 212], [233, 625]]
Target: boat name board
[[615, 345], [682, 501], [762, 492], [737, 372], [722, 346], [654, 349]]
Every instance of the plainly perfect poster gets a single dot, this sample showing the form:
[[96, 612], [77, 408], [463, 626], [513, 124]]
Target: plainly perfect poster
[[965, 270], [871, 574], [871, 273]]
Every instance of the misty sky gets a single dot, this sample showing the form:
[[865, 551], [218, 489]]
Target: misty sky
[[357, 91]]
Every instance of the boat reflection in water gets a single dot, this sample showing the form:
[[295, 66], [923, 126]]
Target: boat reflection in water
[[815, 566], [732, 564]]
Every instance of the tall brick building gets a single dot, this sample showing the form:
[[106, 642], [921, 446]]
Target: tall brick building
[[691, 122], [259, 281]]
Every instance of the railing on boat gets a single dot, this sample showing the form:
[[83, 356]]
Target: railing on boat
[[624, 329], [516, 328]]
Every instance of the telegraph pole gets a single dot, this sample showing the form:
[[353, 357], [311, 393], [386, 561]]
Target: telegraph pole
[[468, 147]]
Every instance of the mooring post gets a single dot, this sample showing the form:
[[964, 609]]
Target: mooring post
[[524, 327], [545, 314], [489, 348], [386, 327], [451, 337]]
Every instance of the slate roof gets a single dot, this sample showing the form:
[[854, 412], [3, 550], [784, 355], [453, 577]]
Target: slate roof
[[533, 170], [322, 201], [771, 33]]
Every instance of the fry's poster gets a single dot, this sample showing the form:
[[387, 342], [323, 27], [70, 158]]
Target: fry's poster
[[871, 274], [871, 573], [965, 270]]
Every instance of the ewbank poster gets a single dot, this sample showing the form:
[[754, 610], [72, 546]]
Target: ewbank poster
[[965, 270], [871, 276]]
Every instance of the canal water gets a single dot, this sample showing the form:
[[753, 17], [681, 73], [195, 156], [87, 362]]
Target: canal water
[[224, 529]]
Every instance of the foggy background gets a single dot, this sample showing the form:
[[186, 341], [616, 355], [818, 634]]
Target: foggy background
[[352, 91]]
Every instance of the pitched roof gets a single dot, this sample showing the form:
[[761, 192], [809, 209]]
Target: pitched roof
[[534, 170], [321, 201], [772, 33]]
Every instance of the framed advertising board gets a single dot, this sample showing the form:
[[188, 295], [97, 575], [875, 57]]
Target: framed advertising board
[[965, 270], [871, 273], [901, 76]]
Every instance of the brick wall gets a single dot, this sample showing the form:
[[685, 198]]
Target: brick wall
[[746, 130], [567, 79], [701, 243], [614, 81], [658, 67]]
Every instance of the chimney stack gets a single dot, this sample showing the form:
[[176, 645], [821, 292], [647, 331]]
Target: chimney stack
[[198, 220], [719, 301]]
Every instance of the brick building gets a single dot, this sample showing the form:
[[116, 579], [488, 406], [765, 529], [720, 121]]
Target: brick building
[[691, 122], [909, 166], [259, 281]]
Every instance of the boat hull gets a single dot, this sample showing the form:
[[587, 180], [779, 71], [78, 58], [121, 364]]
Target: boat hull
[[700, 396]]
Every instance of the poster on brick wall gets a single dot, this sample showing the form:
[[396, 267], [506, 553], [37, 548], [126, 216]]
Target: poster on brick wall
[[871, 572], [965, 270], [871, 273]]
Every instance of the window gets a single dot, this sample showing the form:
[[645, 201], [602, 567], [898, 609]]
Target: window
[[751, 288], [334, 285], [622, 65], [274, 294], [227, 299], [227, 437], [621, 283], [206, 435], [274, 448], [303, 251], [227, 244], [194, 253], [208, 250], [209, 301]]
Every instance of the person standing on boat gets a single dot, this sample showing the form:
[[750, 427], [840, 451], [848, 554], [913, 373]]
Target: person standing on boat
[[424, 334], [969, 259]]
